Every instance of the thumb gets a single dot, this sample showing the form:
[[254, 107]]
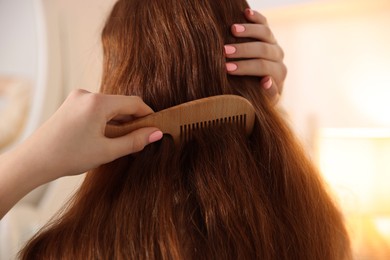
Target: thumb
[[135, 141]]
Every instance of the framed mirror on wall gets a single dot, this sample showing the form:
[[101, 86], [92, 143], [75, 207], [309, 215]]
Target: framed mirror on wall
[[30, 67], [30, 91]]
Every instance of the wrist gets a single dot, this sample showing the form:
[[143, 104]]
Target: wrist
[[20, 173]]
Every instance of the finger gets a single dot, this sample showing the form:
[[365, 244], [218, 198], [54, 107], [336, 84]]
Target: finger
[[121, 119], [278, 88], [270, 86], [260, 50], [125, 105], [133, 142], [255, 17], [251, 68], [258, 67], [259, 32]]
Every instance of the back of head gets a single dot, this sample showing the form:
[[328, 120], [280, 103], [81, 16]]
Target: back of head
[[219, 196]]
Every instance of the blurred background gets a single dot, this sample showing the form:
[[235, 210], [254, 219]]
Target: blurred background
[[337, 97]]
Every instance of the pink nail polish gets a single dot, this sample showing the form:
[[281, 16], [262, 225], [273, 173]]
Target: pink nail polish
[[239, 28], [229, 49], [231, 67], [268, 84], [249, 11], [155, 136]]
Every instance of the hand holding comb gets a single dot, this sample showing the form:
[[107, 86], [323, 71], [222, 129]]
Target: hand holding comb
[[182, 120]]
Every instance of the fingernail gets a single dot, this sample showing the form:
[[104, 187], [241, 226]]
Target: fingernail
[[229, 49], [239, 28], [231, 66], [155, 136], [249, 11], [267, 84]]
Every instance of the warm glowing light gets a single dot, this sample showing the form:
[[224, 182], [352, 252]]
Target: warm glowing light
[[367, 84], [356, 163], [383, 227]]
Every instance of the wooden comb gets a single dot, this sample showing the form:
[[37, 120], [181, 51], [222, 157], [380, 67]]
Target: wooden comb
[[182, 120]]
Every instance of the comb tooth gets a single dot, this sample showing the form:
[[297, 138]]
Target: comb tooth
[[191, 127], [189, 132], [185, 132], [181, 133], [183, 136], [245, 122]]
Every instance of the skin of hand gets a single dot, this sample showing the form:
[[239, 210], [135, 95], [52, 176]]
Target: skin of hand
[[71, 142], [264, 58]]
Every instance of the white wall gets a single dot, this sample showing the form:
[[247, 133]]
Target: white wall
[[81, 23], [18, 42], [269, 4]]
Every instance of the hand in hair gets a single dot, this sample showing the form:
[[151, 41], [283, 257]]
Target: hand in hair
[[71, 142], [264, 58]]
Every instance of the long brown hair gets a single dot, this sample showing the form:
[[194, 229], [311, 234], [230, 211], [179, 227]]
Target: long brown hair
[[219, 196]]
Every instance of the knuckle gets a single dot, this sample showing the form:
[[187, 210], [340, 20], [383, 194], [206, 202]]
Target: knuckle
[[263, 64], [137, 144], [268, 33], [76, 93], [284, 71], [266, 50], [281, 53], [93, 102], [261, 18], [137, 99]]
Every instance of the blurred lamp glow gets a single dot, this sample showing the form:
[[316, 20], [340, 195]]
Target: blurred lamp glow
[[356, 163]]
